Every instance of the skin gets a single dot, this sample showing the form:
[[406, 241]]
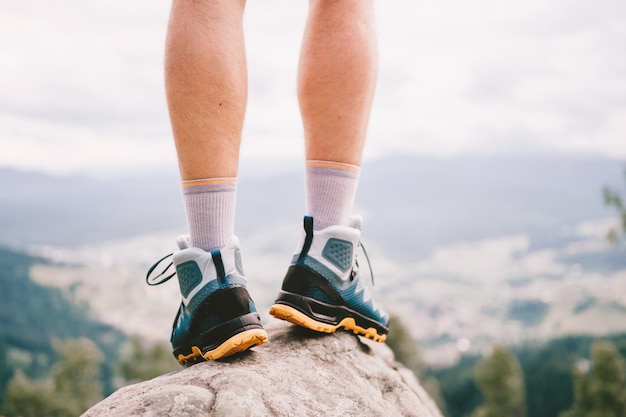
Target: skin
[[206, 82], [337, 79]]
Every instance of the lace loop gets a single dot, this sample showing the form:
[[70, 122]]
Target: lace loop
[[367, 258], [152, 281]]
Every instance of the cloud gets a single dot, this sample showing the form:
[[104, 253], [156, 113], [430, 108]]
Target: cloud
[[79, 83], [61, 148], [486, 76], [456, 77]]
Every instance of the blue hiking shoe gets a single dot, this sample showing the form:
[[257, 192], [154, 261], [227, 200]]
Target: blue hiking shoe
[[217, 317], [323, 289]]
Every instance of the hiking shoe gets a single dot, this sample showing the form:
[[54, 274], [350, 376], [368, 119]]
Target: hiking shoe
[[323, 289], [217, 317]]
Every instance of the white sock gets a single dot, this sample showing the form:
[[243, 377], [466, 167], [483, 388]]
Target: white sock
[[330, 191], [210, 208]]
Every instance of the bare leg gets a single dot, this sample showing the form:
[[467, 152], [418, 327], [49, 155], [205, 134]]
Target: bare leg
[[336, 83], [337, 78], [206, 85], [336, 88]]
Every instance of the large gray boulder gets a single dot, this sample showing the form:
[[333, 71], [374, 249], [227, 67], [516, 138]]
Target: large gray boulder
[[298, 373]]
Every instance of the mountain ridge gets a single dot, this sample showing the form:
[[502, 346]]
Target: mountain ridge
[[406, 201]]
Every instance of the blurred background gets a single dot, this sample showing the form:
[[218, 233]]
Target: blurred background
[[492, 192]]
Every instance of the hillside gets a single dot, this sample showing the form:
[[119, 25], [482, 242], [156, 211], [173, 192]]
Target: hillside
[[32, 316]]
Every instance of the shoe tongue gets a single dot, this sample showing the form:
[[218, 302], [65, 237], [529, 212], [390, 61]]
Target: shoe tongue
[[183, 242], [356, 222]]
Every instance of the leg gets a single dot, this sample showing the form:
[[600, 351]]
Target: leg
[[337, 78], [206, 85], [323, 289], [205, 80]]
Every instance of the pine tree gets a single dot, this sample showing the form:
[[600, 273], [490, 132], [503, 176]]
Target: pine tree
[[600, 391], [404, 347], [25, 397], [612, 198], [501, 382], [76, 377], [145, 361], [73, 387], [406, 351]]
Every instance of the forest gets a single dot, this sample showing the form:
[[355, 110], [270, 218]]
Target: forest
[[51, 348], [37, 324]]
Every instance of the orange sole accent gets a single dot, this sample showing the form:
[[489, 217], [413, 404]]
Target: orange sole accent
[[191, 358], [290, 314], [238, 343]]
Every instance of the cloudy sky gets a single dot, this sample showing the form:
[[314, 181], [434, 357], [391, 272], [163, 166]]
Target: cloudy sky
[[81, 83]]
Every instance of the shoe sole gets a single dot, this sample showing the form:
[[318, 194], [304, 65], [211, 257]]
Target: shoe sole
[[292, 315], [238, 343]]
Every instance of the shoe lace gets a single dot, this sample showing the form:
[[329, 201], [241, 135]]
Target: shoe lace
[[160, 278], [355, 270]]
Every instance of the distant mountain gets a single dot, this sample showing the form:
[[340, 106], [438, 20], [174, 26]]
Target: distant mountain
[[410, 204], [69, 210], [467, 250], [418, 203]]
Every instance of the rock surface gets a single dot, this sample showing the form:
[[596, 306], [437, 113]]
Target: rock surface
[[298, 373]]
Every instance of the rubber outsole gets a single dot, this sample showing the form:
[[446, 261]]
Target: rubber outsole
[[238, 343], [292, 315]]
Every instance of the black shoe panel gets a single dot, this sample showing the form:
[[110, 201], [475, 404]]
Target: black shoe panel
[[220, 316], [301, 280], [217, 335], [330, 309]]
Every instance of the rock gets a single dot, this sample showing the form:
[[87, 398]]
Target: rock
[[298, 373]]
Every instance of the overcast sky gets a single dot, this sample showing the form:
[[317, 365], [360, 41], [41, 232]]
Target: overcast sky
[[81, 81]]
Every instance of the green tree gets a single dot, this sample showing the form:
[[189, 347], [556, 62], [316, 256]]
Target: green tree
[[406, 351], [404, 347], [145, 361], [76, 377], [501, 382], [73, 387], [612, 198], [45, 313], [601, 390]]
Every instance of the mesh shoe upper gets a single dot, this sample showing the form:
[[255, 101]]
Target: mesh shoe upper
[[331, 254], [216, 309], [201, 273]]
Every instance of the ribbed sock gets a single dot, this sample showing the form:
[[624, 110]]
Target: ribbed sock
[[330, 192], [210, 208]]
